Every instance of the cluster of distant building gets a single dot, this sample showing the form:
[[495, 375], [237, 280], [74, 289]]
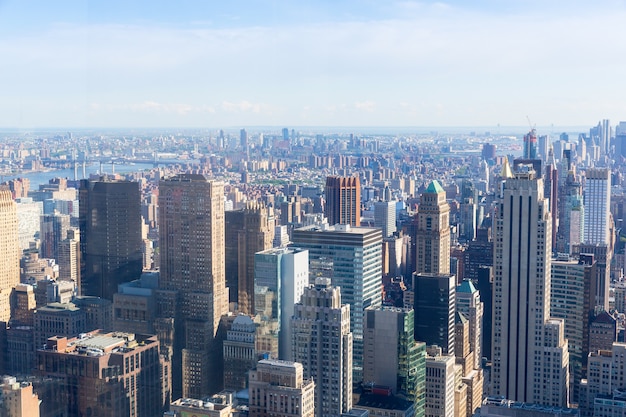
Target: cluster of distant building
[[414, 286]]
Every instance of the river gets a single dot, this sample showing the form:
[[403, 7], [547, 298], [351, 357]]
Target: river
[[38, 178]]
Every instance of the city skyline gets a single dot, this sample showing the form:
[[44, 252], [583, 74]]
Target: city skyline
[[355, 63]]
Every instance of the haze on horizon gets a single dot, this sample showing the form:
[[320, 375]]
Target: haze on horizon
[[83, 63]]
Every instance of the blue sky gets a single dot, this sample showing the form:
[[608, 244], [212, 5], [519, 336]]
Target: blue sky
[[311, 63]]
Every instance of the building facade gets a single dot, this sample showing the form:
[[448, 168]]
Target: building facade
[[192, 283], [343, 200], [322, 343]]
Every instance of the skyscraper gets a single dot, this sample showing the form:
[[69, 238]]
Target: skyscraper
[[392, 357], [110, 235], [597, 203], [192, 284], [526, 342], [9, 248], [280, 277], [530, 145], [343, 200], [433, 232], [434, 304], [322, 342], [469, 304], [352, 258], [385, 217], [598, 228], [52, 231], [255, 236]]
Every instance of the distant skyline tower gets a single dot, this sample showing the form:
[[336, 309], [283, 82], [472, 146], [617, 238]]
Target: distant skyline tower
[[433, 232], [10, 250], [526, 341], [110, 235], [343, 200], [598, 228], [191, 241], [597, 204], [322, 343], [530, 145]]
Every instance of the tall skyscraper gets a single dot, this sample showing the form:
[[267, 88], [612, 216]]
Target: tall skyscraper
[[192, 284], [10, 250], [526, 341], [434, 304], [597, 203], [599, 228], [256, 236], [110, 235], [280, 277], [433, 232], [402, 366], [352, 258], [322, 342], [530, 145], [469, 304], [343, 200], [52, 231]]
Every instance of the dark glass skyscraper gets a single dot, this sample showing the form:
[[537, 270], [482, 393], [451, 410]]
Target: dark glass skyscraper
[[110, 235]]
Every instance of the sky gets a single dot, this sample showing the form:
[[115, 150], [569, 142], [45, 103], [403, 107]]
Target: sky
[[163, 63]]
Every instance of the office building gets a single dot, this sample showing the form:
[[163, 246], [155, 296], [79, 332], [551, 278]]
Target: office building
[[110, 235], [352, 258], [529, 358], [467, 368], [234, 222], [58, 319], [385, 217], [108, 374], [343, 200], [10, 250], [135, 305], [440, 385], [322, 343], [597, 205], [184, 407], [240, 354], [192, 285], [280, 277], [433, 232], [69, 258], [498, 407], [389, 330], [255, 236], [17, 399], [530, 145], [52, 230], [605, 376], [434, 305], [28, 220], [279, 389], [468, 302], [567, 302]]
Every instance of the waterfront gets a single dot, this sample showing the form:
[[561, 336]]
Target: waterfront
[[43, 177]]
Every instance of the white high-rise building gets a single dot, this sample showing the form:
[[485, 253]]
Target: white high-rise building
[[280, 277], [385, 216], [322, 342], [523, 333], [597, 204]]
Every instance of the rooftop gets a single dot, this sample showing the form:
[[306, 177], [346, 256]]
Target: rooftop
[[434, 188]]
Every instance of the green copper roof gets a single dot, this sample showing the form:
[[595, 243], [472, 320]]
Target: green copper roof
[[435, 188], [466, 287]]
